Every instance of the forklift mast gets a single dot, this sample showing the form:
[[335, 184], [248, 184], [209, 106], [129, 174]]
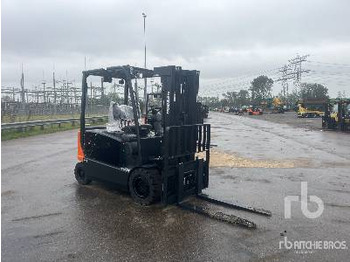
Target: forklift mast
[[184, 136]]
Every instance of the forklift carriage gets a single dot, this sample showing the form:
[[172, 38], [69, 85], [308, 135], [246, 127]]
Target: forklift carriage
[[153, 166]]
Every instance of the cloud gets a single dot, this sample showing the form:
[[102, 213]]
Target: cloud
[[221, 38]]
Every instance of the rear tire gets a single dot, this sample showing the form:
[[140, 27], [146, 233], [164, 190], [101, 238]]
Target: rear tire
[[80, 174], [145, 186]]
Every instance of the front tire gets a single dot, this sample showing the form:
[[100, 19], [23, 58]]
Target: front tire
[[80, 174], [145, 186]]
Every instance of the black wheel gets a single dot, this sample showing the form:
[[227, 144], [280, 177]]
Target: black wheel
[[145, 186], [80, 175]]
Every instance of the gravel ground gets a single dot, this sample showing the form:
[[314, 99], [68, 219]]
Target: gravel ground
[[47, 216]]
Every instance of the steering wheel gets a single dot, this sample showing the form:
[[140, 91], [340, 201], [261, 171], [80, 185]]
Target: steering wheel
[[158, 109]]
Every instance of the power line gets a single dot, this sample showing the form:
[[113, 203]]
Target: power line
[[232, 84], [329, 64]]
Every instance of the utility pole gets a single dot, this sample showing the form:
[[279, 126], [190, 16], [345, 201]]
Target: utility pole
[[54, 85], [67, 88], [37, 94], [91, 97], [23, 101], [62, 92], [13, 94], [102, 88], [75, 93], [44, 87], [145, 89]]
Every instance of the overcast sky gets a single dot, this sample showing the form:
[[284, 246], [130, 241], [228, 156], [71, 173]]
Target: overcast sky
[[230, 42]]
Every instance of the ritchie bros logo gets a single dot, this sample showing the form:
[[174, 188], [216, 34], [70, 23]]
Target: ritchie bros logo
[[307, 246]]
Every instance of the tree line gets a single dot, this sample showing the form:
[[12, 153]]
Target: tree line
[[260, 92]]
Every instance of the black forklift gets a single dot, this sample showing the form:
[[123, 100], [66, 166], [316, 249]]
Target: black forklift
[[337, 115], [165, 157]]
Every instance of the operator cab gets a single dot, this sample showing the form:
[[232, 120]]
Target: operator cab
[[120, 120]]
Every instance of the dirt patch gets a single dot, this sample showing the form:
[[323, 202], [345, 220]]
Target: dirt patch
[[222, 159]]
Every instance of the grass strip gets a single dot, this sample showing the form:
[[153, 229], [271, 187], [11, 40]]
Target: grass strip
[[38, 130]]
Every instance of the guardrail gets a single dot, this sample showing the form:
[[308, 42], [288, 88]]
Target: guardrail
[[22, 126]]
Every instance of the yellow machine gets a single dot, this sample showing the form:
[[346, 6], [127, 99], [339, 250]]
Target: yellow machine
[[277, 105], [311, 108]]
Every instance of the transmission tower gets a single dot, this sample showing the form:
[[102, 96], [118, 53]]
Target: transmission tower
[[287, 74], [296, 65]]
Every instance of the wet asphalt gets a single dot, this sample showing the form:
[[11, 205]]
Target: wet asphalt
[[47, 216]]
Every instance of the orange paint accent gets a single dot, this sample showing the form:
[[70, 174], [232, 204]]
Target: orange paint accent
[[80, 149]]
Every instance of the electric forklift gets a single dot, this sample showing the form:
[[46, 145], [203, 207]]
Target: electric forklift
[[164, 158]]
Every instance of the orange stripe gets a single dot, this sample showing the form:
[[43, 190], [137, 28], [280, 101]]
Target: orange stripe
[[80, 149]]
